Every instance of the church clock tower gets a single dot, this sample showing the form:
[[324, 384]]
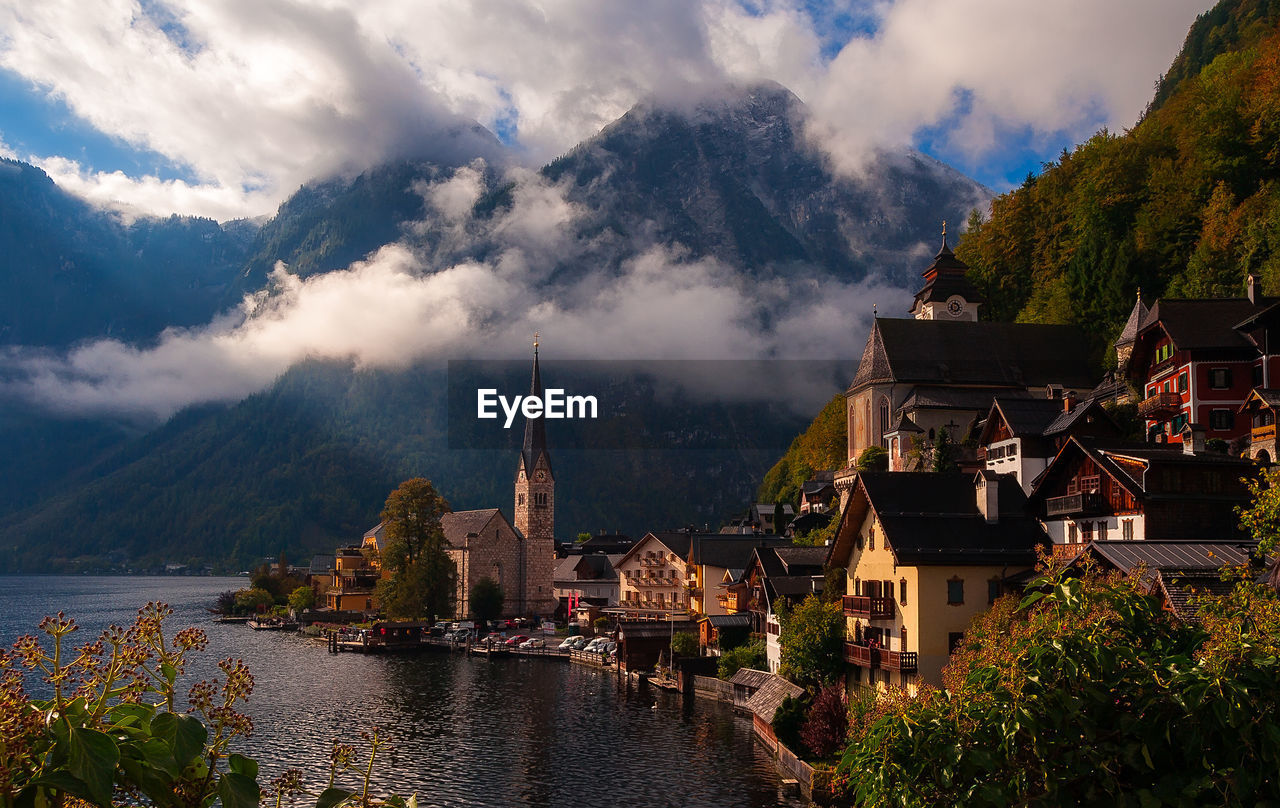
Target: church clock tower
[[947, 294], [535, 503]]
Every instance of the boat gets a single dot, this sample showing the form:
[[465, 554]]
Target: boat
[[272, 624]]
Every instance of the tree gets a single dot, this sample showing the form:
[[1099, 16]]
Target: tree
[[812, 642], [780, 518], [583, 538], [486, 600], [1261, 519], [873, 458], [252, 600], [1087, 693], [422, 577], [943, 456], [602, 625], [304, 597], [827, 726], [684, 643], [750, 655]]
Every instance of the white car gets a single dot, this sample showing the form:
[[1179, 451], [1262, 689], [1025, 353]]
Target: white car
[[595, 645], [568, 644], [534, 642]]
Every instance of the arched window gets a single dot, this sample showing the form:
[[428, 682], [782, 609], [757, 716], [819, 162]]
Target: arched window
[[885, 426]]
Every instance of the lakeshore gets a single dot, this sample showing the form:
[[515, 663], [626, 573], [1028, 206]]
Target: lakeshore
[[463, 730]]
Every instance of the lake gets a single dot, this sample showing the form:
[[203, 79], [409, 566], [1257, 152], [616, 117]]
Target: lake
[[462, 730]]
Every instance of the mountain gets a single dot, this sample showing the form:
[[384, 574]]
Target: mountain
[[69, 271], [306, 464], [1186, 204]]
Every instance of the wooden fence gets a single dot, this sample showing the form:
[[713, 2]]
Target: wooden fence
[[711, 686]]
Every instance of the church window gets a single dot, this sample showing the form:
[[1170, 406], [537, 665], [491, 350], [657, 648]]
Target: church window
[[520, 499]]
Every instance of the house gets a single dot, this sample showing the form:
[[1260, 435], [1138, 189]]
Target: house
[[809, 522], [764, 703], [817, 492], [941, 370], [586, 580], [719, 632], [653, 578], [711, 555], [923, 554], [607, 543], [778, 577], [1108, 490], [354, 579], [1259, 412], [1021, 435], [1196, 360], [746, 682], [642, 643], [1175, 572], [763, 515]]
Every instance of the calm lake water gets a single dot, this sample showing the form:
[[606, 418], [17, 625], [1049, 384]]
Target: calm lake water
[[463, 731]]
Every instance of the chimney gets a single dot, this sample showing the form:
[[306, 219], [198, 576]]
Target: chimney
[[1254, 292], [987, 487], [1193, 439], [1068, 401]]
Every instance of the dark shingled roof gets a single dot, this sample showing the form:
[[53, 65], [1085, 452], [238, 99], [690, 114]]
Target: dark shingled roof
[[459, 524], [320, 564], [728, 620], [750, 677], [535, 429], [933, 518], [946, 277], [975, 353], [1138, 319], [800, 560], [651, 629], [957, 398], [1182, 588], [793, 585], [1029, 417], [1204, 323], [728, 550], [766, 701]]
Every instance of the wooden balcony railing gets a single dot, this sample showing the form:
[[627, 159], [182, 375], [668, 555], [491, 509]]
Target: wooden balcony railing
[[864, 656], [869, 608], [1160, 405], [905, 661], [1261, 433], [861, 655], [1074, 504]]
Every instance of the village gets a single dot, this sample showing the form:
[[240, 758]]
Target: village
[[977, 452]]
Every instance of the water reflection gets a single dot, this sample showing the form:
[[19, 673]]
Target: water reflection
[[462, 731]]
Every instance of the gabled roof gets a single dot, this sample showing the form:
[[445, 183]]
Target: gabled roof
[[904, 426], [1183, 556], [375, 536], [1089, 408], [750, 677], [802, 560], [957, 398], [1025, 417], [728, 550], [933, 518], [974, 353], [674, 541], [460, 524], [1204, 323], [1261, 395], [766, 701]]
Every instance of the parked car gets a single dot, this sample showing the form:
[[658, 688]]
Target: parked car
[[595, 645], [534, 642], [515, 641], [610, 646], [568, 644]]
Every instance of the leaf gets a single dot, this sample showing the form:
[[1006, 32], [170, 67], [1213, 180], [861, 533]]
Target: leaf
[[92, 757], [153, 781], [243, 765], [333, 797], [184, 734], [170, 673], [235, 790]]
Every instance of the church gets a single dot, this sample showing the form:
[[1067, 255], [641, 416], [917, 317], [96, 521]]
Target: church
[[941, 369], [519, 554]]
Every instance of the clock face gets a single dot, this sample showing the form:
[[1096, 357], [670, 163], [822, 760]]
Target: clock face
[[541, 475], [954, 306]]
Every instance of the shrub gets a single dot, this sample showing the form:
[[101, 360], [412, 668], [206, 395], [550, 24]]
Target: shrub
[[827, 727], [750, 655]]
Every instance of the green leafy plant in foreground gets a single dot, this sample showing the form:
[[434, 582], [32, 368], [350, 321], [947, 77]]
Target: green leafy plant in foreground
[[1087, 693], [113, 732]]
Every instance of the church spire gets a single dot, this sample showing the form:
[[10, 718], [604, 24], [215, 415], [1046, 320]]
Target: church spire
[[535, 429]]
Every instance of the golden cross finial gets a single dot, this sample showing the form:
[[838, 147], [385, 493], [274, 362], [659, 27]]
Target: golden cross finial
[[535, 340], [944, 228]]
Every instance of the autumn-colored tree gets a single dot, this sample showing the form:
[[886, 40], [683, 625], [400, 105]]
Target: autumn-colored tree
[[1261, 518], [826, 727], [422, 576]]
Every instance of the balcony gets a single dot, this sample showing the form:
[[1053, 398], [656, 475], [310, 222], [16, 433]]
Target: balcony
[[1075, 505], [905, 661], [1263, 433], [1161, 406], [869, 608], [861, 655], [1066, 552]]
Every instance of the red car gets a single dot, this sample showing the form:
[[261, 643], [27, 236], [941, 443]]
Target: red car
[[516, 640]]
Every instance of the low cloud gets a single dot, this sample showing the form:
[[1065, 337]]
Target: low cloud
[[396, 308], [255, 97]]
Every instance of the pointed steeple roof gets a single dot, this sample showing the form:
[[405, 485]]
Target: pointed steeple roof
[[535, 429], [1138, 318], [945, 277]]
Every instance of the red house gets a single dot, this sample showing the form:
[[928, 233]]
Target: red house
[[1195, 361]]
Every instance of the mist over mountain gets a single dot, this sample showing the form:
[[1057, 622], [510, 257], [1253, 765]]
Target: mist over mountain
[[712, 229]]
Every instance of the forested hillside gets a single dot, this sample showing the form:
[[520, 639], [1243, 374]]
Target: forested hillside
[[1185, 204], [822, 447]]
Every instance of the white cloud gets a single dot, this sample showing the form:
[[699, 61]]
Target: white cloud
[[257, 96], [391, 310]]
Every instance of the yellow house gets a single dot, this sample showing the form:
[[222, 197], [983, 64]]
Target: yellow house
[[924, 553]]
